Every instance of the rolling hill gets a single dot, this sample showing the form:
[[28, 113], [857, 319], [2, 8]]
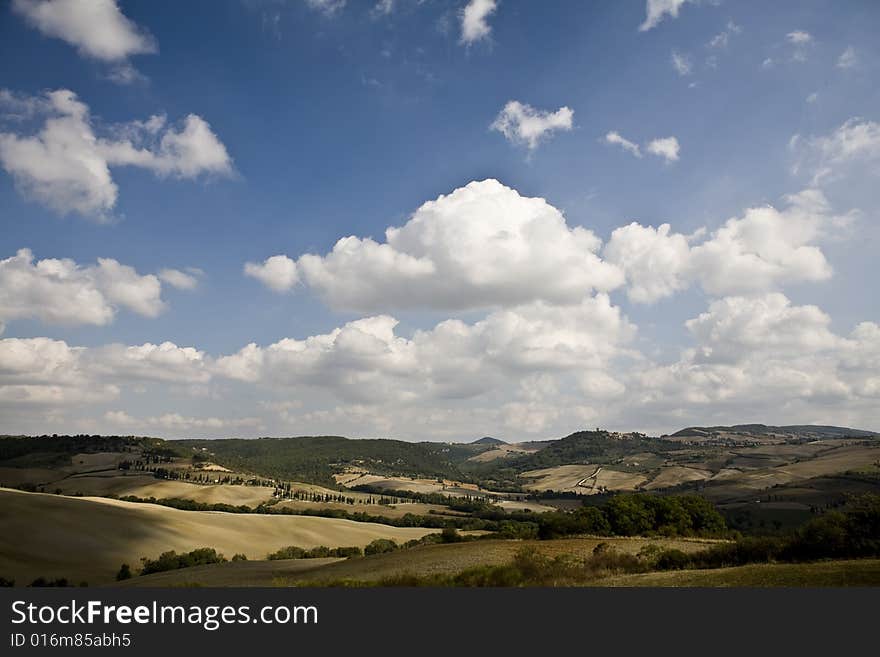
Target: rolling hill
[[90, 537]]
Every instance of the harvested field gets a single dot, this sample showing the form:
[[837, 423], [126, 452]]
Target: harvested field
[[87, 539]]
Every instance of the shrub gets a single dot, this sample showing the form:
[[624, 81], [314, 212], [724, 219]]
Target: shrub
[[172, 561], [347, 552], [672, 560], [42, 581], [380, 546], [289, 552], [124, 572], [450, 535]]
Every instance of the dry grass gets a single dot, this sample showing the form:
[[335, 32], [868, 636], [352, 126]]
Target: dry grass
[[829, 462], [676, 474], [385, 510], [500, 452], [582, 479], [448, 558], [514, 505], [239, 573], [860, 572], [88, 538], [454, 557]]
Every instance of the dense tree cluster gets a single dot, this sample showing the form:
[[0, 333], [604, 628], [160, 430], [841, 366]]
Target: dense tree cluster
[[171, 560], [320, 552]]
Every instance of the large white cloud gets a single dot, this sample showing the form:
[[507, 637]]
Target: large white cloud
[[762, 356], [763, 250], [59, 291], [523, 124], [165, 362], [365, 360], [66, 166], [736, 327], [45, 372], [655, 260], [176, 422], [482, 246], [532, 369], [97, 28]]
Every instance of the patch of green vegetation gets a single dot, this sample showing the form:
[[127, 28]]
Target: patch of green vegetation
[[171, 560], [320, 552], [861, 572], [315, 459], [41, 448]]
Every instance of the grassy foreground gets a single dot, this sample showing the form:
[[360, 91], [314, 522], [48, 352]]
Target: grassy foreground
[[854, 572]]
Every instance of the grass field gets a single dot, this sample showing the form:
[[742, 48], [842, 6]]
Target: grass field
[[385, 510], [424, 560], [582, 479], [239, 573], [858, 572], [88, 538], [675, 475]]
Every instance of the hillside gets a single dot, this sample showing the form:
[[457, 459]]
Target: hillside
[[488, 440], [89, 538], [316, 458], [425, 560], [793, 432]]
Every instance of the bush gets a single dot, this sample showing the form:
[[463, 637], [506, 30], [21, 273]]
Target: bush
[[239, 557], [606, 559], [172, 561], [347, 552], [289, 552], [450, 535], [42, 581], [672, 560], [381, 546], [124, 572], [320, 552]]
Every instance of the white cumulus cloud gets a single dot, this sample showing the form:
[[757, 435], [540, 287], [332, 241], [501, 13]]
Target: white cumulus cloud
[[66, 166], [97, 28], [523, 124], [665, 147], [482, 246], [277, 272], [59, 291], [760, 251], [474, 20]]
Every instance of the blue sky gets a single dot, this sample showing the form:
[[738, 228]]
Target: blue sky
[[337, 119]]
